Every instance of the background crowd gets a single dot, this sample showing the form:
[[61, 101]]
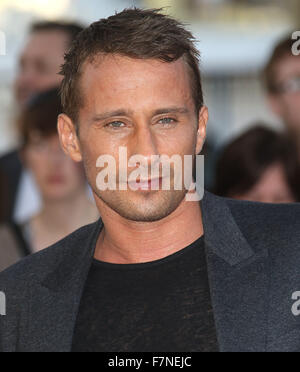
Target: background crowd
[[251, 85]]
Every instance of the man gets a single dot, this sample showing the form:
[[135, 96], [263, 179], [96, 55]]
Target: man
[[160, 271], [39, 66], [282, 81]]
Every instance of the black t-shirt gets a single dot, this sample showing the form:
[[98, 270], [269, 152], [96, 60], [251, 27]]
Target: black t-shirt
[[160, 306]]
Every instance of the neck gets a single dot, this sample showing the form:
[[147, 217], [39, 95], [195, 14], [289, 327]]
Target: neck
[[123, 242]]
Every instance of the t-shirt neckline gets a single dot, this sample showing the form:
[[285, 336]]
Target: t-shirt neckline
[[146, 265]]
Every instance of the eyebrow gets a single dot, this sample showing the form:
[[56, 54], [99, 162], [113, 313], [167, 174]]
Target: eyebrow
[[109, 114], [171, 110], [167, 110]]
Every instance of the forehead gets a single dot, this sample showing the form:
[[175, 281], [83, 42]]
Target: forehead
[[46, 43], [114, 80], [46, 135], [287, 67]]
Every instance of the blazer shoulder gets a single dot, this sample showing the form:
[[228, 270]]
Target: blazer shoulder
[[273, 224], [36, 266], [284, 215]]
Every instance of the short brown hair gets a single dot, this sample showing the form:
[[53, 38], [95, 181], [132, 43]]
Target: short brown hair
[[136, 33], [282, 50], [40, 116], [243, 161]]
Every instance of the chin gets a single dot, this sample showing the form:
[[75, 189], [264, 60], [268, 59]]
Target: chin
[[144, 207], [56, 195]]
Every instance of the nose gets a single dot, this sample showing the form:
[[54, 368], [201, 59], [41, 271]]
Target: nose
[[144, 143]]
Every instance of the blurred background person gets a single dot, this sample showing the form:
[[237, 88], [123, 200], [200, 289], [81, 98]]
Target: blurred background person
[[40, 61], [3, 193], [39, 65], [61, 184], [260, 165], [282, 81]]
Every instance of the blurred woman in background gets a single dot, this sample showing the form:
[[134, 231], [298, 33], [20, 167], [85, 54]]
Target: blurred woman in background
[[3, 193], [12, 244], [260, 165], [61, 183]]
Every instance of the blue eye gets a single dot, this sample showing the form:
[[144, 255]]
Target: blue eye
[[167, 121], [115, 124]]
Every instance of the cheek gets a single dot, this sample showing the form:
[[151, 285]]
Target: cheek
[[295, 102], [43, 82], [36, 164], [95, 145], [180, 141], [291, 102], [187, 141]]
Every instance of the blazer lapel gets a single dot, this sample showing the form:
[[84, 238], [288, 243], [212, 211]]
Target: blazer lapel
[[54, 304], [238, 280]]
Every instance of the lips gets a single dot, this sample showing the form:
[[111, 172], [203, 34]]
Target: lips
[[149, 184], [56, 180]]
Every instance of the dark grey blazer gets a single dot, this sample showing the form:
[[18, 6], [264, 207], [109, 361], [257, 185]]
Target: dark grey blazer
[[253, 253]]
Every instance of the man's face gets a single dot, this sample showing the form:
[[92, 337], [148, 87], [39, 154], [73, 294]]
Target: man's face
[[286, 104], [145, 106], [40, 63]]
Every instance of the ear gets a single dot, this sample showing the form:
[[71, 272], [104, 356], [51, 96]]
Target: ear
[[275, 104], [68, 137], [201, 133]]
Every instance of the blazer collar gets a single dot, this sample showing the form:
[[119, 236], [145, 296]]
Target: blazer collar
[[238, 278], [221, 231]]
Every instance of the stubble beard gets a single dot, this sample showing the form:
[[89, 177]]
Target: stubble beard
[[149, 206]]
